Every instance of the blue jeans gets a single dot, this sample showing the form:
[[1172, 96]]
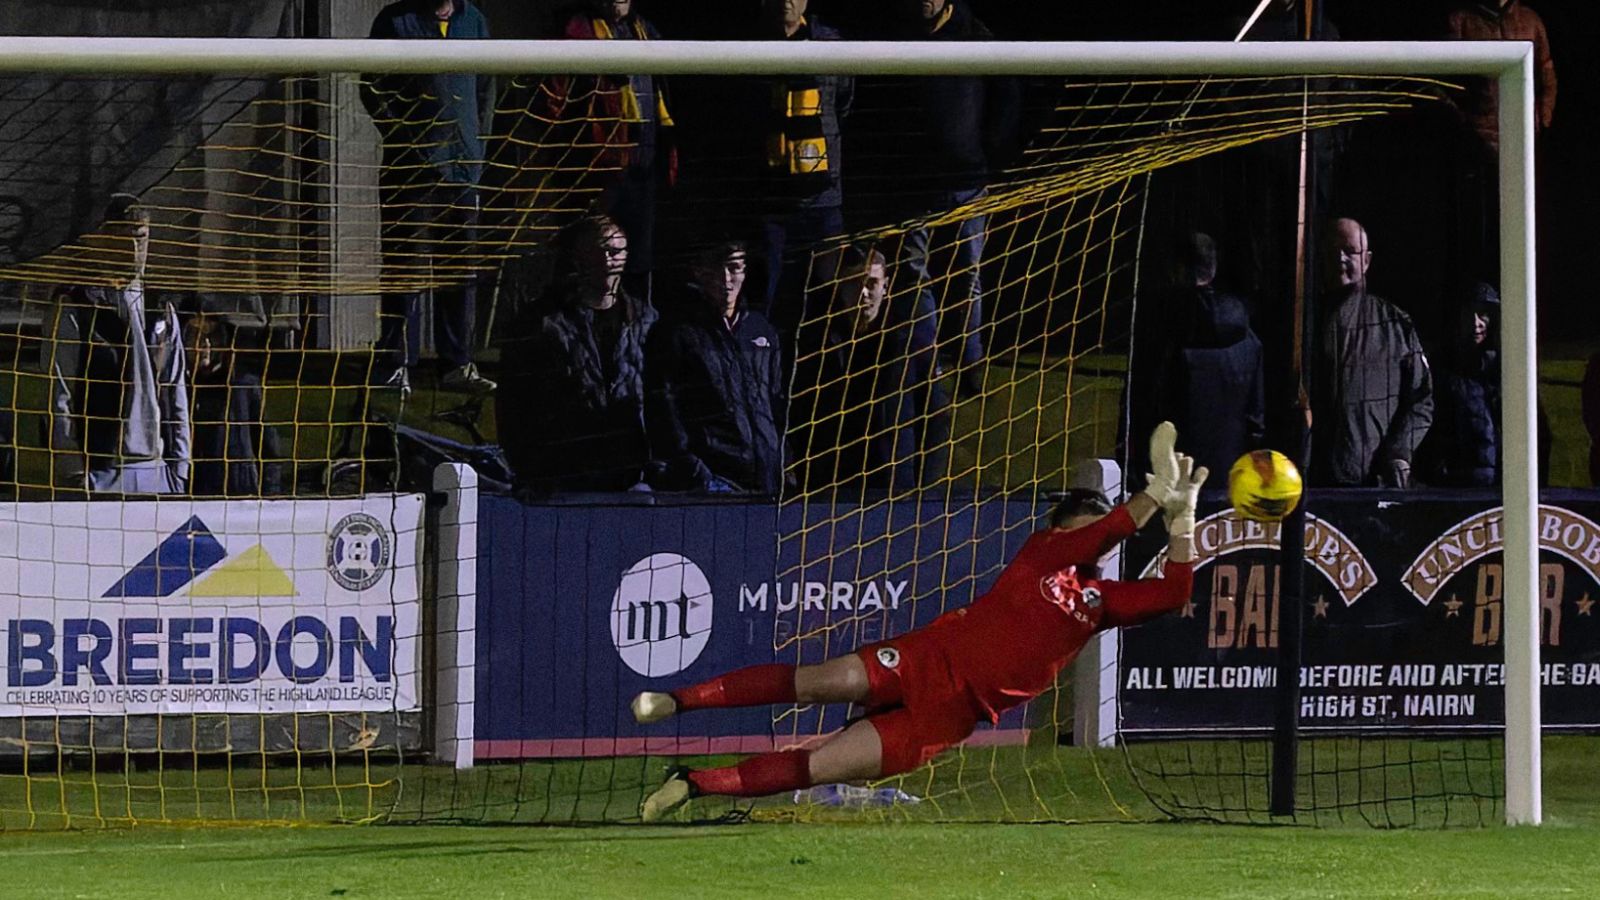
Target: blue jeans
[[945, 261], [417, 220], [790, 241]]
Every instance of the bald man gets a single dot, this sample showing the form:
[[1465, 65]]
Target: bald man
[[1375, 391]]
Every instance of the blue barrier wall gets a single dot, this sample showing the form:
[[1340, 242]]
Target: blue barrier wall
[[581, 607]]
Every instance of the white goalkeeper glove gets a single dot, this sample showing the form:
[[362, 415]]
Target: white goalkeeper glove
[[1162, 481], [1179, 511]]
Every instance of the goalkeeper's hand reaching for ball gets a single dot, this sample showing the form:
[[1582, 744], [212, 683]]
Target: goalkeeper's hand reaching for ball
[[1174, 485]]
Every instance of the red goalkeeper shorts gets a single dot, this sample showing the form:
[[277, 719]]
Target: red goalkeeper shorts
[[916, 705]]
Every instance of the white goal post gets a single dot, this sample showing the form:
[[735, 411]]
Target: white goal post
[[1511, 64]]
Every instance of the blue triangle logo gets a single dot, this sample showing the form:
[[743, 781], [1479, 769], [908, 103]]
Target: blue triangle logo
[[175, 562]]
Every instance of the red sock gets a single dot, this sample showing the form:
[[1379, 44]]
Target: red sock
[[754, 686], [758, 776]]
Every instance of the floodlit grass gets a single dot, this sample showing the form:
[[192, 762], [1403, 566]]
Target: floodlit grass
[[835, 860], [1384, 782]]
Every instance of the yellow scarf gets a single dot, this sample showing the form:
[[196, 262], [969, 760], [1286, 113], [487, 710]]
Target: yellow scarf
[[630, 97]]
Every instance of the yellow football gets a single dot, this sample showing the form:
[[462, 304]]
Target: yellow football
[[1264, 486]]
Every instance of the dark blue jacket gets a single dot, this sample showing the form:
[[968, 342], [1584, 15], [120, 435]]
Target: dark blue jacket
[[714, 402], [1197, 364], [571, 408], [862, 407], [437, 120], [961, 129], [1462, 448]]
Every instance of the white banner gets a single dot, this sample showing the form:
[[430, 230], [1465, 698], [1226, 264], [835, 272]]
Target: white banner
[[180, 607]]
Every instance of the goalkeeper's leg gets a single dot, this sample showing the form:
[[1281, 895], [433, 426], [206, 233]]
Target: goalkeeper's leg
[[885, 744], [839, 680], [854, 754]]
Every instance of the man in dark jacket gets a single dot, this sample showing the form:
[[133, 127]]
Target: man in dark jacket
[[714, 384], [572, 412], [1463, 445], [237, 452], [803, 166], [119, 401], [861, 418], [1503, 20], [1197, 364], [432, 128], [961, 129], [1372, 378]]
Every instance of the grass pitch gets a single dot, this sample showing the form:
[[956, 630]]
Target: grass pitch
[[836, 855], [1188, 861]]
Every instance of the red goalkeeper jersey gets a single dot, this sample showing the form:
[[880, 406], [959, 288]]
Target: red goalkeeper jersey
[[1010, 644]]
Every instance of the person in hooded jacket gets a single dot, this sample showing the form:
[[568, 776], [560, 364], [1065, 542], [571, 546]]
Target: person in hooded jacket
[[119, 398], [1463, 446], [1198, 364]]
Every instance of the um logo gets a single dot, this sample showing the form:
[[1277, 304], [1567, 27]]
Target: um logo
[[661, 615]]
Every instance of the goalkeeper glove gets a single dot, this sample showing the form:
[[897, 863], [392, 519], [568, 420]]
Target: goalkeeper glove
[[1179, 511], [1162, 481]]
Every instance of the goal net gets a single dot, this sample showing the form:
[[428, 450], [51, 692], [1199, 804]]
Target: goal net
[[222, 588]]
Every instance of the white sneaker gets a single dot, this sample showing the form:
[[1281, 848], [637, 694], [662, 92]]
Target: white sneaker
[[467, 378], [399, 381], [652, 706], [673, 793]]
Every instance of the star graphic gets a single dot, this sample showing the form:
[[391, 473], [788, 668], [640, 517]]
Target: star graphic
[[1188, 610], [1585, 605], [1452, 607], [1320, 608]]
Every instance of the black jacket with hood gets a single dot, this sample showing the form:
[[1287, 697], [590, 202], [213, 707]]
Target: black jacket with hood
[[1198, 364]]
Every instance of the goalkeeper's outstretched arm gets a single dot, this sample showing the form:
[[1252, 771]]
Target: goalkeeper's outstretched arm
[[1132, 602]]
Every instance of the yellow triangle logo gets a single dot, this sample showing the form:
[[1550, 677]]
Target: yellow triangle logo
[[250, 574]]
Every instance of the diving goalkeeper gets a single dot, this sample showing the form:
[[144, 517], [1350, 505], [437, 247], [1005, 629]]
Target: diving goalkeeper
[[926, 690]]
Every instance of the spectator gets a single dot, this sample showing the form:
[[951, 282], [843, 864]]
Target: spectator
[[1198, 364], [237, 454], [432, 128], [1504, 20], [714, 384], [572, 416], [858, 410], [119, 404], [1375, 390], [1463, 445], [628, 119], [804, 164], [963, 129]]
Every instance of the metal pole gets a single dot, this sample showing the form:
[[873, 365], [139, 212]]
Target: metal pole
[[249, 56], [1519, 411]]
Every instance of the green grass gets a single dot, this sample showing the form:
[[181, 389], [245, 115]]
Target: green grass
[[1560, 382], [1189, 861], [1125, 853]]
